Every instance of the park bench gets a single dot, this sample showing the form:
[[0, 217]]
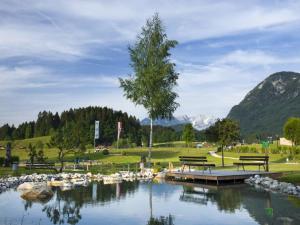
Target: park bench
[[40, 166], [195, 161], [253, 161]]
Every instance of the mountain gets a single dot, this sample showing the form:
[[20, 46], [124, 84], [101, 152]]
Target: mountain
[[265, 109], [199, 122]]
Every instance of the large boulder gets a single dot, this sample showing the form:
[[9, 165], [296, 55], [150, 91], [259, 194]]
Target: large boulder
[[36, 192], [25, 186]]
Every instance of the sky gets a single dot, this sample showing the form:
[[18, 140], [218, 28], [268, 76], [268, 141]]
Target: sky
[[58, 54]]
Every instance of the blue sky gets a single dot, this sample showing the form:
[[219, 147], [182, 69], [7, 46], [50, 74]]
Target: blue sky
[[57, 54]]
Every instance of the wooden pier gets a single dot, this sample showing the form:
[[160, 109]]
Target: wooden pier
[[217, 176]]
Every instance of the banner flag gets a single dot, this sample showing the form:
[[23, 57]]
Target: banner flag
[[97, 129], [119, 129]]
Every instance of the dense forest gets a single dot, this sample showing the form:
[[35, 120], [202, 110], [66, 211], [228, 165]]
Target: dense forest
[[82, 121]]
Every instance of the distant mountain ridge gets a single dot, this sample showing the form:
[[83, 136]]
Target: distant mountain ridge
[[199, 122], [265, 109]]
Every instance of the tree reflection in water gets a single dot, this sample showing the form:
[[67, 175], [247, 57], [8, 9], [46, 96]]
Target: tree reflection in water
[[65, 205], [63, 211], [226, 199], [168, 220]]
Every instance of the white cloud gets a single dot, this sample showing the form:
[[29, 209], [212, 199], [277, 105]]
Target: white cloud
[[64, 30], [69, 31]]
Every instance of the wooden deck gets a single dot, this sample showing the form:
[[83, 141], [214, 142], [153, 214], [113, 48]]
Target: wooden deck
[[216, 176]]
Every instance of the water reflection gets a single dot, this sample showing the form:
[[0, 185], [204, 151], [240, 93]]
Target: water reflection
[[149, 203], [263, 206], [168, 220], [226, 199]]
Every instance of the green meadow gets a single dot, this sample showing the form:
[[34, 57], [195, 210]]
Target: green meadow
[[161, 156]]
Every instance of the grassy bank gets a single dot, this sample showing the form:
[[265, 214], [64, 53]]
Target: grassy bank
[[119, 159]]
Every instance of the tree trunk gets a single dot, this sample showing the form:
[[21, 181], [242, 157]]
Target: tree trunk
[[61, 166], [222, 156], [150, 143], [150, 200]]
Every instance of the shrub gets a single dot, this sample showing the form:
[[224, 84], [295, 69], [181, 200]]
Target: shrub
[[143, 158], [157, 168], [105, 152], [15, 159], [2, 160], [124, 143]]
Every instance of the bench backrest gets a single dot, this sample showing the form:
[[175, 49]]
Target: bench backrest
[[40, 164], [254, 158], [192, 158]]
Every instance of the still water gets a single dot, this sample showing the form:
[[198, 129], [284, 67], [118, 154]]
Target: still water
[[146, 203]]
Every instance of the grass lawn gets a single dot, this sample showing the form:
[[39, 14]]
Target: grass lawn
[[291, 177], [120, 158]]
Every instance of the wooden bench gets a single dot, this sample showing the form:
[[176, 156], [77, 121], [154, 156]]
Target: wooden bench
[[253, 161], [40, 166], [195, 161]]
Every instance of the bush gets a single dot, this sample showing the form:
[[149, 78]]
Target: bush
[[143, 158], [124, 143], [2, 160], [157, 168], [105, 152], [244, 149], [15, 159]]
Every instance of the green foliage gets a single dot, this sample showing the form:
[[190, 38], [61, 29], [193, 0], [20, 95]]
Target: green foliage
[[66, 141], [225, 132], [188, 134], [154, 74], [15, 159], [265, 109], [161, 134], [2, 160], [124, 143], [83, 120], [245, 149], [31, 153], [291, 130], [105, 152]]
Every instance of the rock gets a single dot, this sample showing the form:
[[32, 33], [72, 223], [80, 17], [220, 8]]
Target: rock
[[25, 186], [39, 192], [89, 174]]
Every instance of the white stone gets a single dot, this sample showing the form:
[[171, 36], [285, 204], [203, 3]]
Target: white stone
[[25, 186]]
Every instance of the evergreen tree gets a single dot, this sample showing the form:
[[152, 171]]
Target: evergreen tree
[[31, 153]]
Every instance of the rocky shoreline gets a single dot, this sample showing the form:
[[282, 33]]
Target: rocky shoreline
[[270, 184], [13, 182]]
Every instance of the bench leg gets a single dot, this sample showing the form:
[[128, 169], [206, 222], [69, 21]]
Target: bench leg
[[243, 168], [209, 169]]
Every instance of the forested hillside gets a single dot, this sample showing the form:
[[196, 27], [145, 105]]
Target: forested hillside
[[82, 122], [266, 108]]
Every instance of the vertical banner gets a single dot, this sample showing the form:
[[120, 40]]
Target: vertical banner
[[96, 129], [119, 129]]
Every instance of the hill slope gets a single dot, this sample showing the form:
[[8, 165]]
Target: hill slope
[[265, 109]]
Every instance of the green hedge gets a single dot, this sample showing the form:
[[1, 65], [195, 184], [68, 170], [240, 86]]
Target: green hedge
[[2, 160]]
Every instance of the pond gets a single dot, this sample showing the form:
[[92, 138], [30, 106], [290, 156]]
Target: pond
[[145, 203]]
